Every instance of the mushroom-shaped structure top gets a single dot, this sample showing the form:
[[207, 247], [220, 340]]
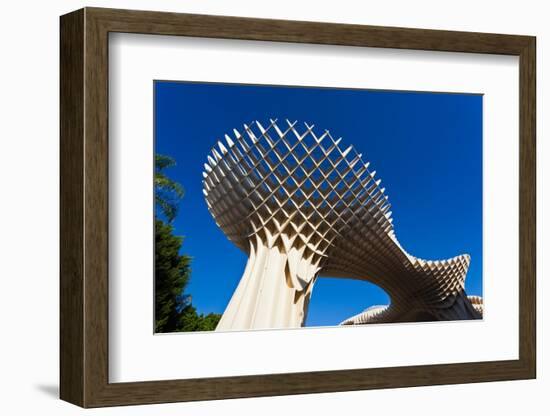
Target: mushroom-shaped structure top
[[302, 204]]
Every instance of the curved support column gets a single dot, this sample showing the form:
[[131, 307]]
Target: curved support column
[[273, 292], [460, 308]]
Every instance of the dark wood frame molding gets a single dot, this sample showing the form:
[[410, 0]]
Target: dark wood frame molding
[[84, 208]]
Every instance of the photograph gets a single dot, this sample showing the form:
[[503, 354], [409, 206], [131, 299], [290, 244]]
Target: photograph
[[259, 204], [287, 206]]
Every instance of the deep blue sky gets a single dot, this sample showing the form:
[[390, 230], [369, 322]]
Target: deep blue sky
[[426, 148]]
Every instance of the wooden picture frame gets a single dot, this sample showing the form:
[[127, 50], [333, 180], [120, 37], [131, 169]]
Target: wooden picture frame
[[84, 207]]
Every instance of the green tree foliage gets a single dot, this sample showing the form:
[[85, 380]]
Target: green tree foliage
[[173, 309], [167, 192], [192, 321], [172, 272]]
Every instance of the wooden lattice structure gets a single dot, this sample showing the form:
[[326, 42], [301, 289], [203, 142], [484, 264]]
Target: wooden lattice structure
[[303, 206]]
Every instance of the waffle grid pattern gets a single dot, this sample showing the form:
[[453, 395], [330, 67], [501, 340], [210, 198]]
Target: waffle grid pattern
[[317, 201]]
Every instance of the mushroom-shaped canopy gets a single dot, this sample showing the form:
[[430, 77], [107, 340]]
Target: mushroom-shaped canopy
[[299, 188]]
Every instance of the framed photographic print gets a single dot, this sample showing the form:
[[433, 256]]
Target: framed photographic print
[[255, 207]]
